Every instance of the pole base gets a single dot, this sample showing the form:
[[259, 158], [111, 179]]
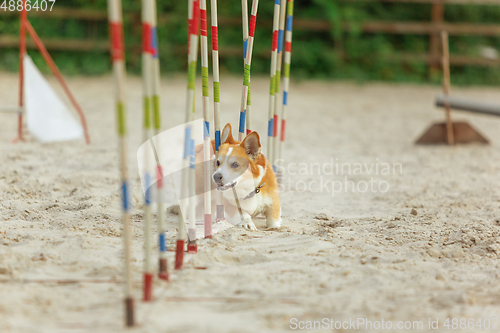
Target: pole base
[[163, 272], [192, 248], [179, 254], [19, 138], [220, 213], [462, 133], [208, 225], [148, 287], [129, 311]]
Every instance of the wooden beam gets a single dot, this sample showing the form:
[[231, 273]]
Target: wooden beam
[[82, 14], [456, 60], [59, 44], [424, 28]]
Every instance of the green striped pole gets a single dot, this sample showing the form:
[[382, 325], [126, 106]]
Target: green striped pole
[[248, 62], [244, 14], [286, 73], [147, 92], [277, 101], [274, 57], [156, 124], [215, 68], [118, 58], [207, 218], [188, 175], [162, 223]]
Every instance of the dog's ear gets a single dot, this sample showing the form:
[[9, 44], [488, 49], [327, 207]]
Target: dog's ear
[[227, 134], [252, 145]]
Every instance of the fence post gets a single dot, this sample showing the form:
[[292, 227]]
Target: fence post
[[437, 16]]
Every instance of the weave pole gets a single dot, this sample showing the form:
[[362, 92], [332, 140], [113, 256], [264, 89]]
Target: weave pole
[[161, 217], [277, 101], [248, 63], [118, 58], [192, 246], [147, 23], [244, 16], [215, 68], [286, 74], [207, 217], [187, 185], [274, 58]]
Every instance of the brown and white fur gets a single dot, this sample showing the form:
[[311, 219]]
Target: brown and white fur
[[242, 165]]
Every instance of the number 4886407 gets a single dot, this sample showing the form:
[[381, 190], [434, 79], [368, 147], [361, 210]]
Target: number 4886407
[[13, 5]]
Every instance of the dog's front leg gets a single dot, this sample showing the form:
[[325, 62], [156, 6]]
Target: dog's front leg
[[234, 218], [247, 222]]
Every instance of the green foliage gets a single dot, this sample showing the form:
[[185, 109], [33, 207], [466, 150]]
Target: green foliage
[[338, 53]]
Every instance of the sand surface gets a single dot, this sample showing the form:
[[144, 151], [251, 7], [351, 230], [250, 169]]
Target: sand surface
[[342, 255]]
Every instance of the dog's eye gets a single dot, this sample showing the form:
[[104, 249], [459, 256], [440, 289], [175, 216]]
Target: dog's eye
[[218, 163], [235, 165]]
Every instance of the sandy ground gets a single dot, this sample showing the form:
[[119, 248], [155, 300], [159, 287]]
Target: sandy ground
[[341, 256]]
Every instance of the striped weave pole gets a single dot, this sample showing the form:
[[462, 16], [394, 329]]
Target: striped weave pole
[[286, 73], [187, 185], [118, 58], [248, 63], [244, 15], [147, 92], [274, 57], [162, 223], [277, 101], [215, 68], [192, 246], [207, 218]]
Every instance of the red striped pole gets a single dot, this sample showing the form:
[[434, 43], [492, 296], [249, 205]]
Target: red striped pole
[[147, 96], [215, 67], [286, 73], [207, 145], [162, 223], [118, 58], [274, 57], [277, 101], [188, 174], [244, 14], [248, 62]]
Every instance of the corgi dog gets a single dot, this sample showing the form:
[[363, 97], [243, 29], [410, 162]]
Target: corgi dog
[[243, 175]]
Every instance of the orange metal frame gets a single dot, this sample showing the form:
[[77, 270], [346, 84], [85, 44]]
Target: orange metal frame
[[27, 27]]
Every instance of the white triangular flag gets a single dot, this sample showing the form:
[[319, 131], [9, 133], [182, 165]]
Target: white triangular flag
[[47, 117]]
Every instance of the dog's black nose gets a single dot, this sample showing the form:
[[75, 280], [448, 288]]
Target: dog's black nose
[[218, 178]]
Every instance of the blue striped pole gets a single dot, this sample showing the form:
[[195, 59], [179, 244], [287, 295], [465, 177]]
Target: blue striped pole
[[162, 223], [215, 68], [286, 73], [188, 175], [277, 101], [118, 58], [244, 15], [147, 96], [248, 62], [274, 58], [207, 145]]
